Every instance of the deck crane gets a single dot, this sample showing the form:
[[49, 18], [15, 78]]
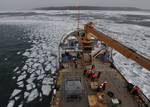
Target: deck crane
[[90, 31]]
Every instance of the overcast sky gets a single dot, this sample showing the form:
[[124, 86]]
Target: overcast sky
[[28, 4]]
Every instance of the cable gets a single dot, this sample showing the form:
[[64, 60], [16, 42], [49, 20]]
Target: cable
[[78, 16]]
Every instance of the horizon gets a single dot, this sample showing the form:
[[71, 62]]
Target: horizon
[[70, 6], [91, 6], [7, 5]]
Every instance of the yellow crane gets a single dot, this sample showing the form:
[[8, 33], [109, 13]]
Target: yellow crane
[[90, 31]]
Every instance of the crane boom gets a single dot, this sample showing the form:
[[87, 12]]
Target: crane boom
[[127, 52]]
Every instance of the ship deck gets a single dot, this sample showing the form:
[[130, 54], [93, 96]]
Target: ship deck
[[116, 84]]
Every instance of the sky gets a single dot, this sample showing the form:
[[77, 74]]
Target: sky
[[30, 4]]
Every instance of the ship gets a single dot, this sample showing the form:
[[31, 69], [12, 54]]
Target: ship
[[87, 77]]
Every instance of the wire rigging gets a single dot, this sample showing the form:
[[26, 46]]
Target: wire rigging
[[78, 15]]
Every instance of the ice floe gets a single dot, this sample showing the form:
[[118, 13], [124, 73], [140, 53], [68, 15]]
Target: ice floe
[[21, 77], [18, 53], [34, 94], [46, 89], [26, 94], [25, 67], [21, 105], [11, 103], [15, 92], [20, 83], [16, 69]]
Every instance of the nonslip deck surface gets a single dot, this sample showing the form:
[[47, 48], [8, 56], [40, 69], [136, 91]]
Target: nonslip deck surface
[[116, 84]]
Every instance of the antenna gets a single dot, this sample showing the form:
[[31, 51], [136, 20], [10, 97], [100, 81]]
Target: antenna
[[78, 17]]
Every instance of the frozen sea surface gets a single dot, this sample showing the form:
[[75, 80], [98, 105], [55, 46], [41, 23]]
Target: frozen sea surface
[[35, 79]]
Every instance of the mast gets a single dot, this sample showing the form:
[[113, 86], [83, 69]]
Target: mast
[[78, 15]]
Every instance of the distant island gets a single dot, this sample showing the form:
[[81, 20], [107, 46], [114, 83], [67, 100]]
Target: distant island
[[91, 8]]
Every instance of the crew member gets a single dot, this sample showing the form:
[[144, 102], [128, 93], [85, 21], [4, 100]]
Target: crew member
[[84, 72], [135, 90], [94, 76], [89, 72], [102, 86], [93, 68]]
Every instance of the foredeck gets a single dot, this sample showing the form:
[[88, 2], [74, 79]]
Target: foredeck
[[116, 84]]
